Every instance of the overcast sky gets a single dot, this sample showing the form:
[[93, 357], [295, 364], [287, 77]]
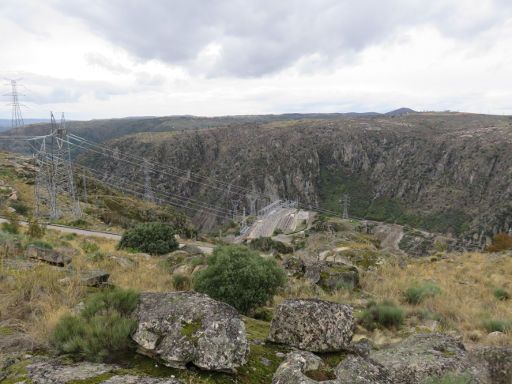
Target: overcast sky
[[116, 58]]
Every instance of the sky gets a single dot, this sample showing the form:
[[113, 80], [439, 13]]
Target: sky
[[117, 58]]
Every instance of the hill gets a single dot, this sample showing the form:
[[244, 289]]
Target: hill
[[445, 172]]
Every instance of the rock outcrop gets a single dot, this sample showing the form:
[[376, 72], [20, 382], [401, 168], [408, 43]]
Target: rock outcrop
[[54, 372], [49, 256], [293, 369], [332, 275], [312, 325], [179, 328], [359, 370]]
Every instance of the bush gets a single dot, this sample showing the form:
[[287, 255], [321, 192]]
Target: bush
[[20, 207], [501, 294], [153, 238], [267, 244], [101, 329], [181, 282], [12, 225], [385, 314], [35, 230], [500, 242], [96, 256], [495, 325], [240, 277], [89, 246], [417, 293]]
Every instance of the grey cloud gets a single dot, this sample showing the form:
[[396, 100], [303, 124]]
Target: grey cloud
[[259, 37]]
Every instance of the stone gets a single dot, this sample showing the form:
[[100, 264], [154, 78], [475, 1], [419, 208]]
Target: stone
[[359, 370], [312, 325], [179, 328], [122, 261], [422, 356], [94, 278], [494, 362], [332, 275], [49, 256], [191, 249], [54, 372], [292, 370], [294, 267], [130, 379], [16, 342]]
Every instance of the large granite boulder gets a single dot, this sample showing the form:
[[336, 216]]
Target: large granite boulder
[[360, 370], [313, 325], [179, 328], [492, 364], [49, 256], [54, 372], [293, 370], [130, 379], [422, 356], [332, 275]]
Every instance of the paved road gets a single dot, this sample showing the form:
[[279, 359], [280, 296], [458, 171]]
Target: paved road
[[106, 235]]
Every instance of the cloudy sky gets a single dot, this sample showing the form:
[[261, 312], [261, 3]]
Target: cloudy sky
[[116, 58]]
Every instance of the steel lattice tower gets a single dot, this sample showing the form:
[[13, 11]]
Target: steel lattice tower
[[54, 172], [346, 204], [16, 118]]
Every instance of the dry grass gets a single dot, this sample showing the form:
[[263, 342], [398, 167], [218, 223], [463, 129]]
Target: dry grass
[[33, 300], [467, 282]]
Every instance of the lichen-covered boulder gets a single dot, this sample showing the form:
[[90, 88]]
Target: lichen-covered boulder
[[422, 356], [293, 369], [188, 327], [492, 364], [130, 379], [332, 275], [49, 256], [55, 372], [359, 370], [312, 325]]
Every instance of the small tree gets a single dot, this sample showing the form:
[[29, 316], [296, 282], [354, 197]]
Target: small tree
[[13, 223], [153, 238], [239, 277], [35, 230]]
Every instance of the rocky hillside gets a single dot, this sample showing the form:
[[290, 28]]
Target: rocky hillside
[[445, 172]]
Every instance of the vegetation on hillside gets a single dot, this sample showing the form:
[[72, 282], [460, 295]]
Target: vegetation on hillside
[[152, 238]]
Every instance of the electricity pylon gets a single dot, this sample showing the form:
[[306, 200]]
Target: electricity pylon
[[346, 204], [54, 173], [16, 118]]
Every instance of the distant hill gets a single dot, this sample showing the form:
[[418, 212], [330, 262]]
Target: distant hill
[[5, 124], [400, 112]]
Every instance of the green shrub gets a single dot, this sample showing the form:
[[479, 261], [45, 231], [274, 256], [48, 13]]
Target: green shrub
[[496, 325], [417, 293], [240, 277], [101, 329], [35, 230], [501, 294], [267, 244], [385, 314], [153, 238], [89, 246], [12, 225], [181, 282], [20, 207], [96, 256], [450, 379]]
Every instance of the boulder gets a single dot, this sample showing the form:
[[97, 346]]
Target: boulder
[[493, 364], [49, 256], [294, 267], [122, 261], [359, 370], [422, 356], [191, 249], [179, 328], [293, 369], [94, 278], [129, 379], [332, 275], [312, 325], [54, 372]]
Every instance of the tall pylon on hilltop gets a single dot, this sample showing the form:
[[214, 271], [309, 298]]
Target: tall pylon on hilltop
[[16, 117], [54, 173]]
